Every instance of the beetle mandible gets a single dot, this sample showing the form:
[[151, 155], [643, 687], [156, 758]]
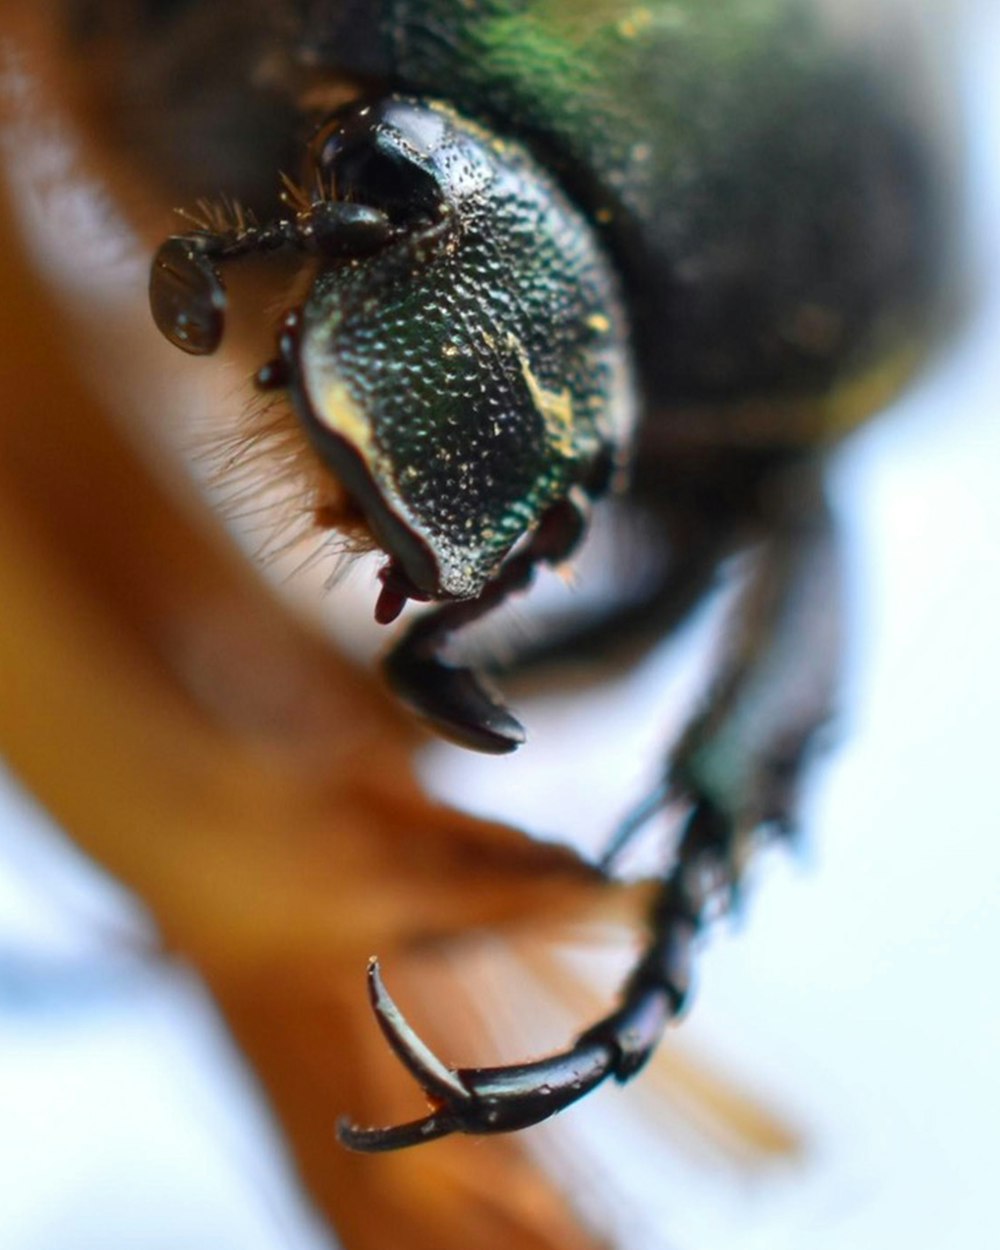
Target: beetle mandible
[[565, 249]]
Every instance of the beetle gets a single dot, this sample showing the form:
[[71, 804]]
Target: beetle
[[562, 251]]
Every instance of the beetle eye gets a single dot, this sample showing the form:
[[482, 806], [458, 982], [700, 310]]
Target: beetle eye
[[368, 162]]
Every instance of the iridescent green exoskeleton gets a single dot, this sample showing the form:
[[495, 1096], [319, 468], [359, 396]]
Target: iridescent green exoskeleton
[[555, 240]]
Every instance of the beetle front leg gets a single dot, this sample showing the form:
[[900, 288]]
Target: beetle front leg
[[453, 698], [737, 769], [516, 1096], [743, 754], [628, 625], [745, 751]]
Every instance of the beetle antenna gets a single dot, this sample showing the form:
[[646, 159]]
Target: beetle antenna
[[294, 195]]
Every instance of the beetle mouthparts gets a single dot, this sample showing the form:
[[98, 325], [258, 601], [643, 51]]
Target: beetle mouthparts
[[397, 587]]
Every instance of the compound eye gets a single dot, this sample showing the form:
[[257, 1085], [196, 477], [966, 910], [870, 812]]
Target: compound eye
[[365, 159]]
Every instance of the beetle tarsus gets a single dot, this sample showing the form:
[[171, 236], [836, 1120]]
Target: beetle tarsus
[[504, 1099], [436, 1080], [398, 1137]]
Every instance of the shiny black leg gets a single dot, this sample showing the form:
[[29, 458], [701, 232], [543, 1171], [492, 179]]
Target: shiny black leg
[[629, 625], [737, 770], [504, 1099]]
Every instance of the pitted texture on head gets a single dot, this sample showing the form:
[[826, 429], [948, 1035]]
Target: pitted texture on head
[[477, 367]]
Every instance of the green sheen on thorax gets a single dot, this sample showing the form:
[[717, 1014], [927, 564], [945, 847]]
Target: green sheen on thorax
[[748, 168]]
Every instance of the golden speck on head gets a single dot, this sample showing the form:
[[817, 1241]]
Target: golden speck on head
[[555, 407], [338, 411]]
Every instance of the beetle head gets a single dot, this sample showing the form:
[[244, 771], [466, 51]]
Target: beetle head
[[468, 374]]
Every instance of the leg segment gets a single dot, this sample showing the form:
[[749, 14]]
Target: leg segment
[[743, 754], [629, 624], [504, 1099], [736, 768], [775, 686]]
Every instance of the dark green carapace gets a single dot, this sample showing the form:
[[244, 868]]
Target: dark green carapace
[[563, 249], [756, 175]]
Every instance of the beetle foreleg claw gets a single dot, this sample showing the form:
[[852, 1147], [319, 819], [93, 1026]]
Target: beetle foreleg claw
[[436, 1079], [505, 1099], [398, 1137], [478, 1100], [443, 1086]]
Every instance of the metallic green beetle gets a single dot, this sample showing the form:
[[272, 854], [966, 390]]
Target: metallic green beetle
[[569, 248]]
